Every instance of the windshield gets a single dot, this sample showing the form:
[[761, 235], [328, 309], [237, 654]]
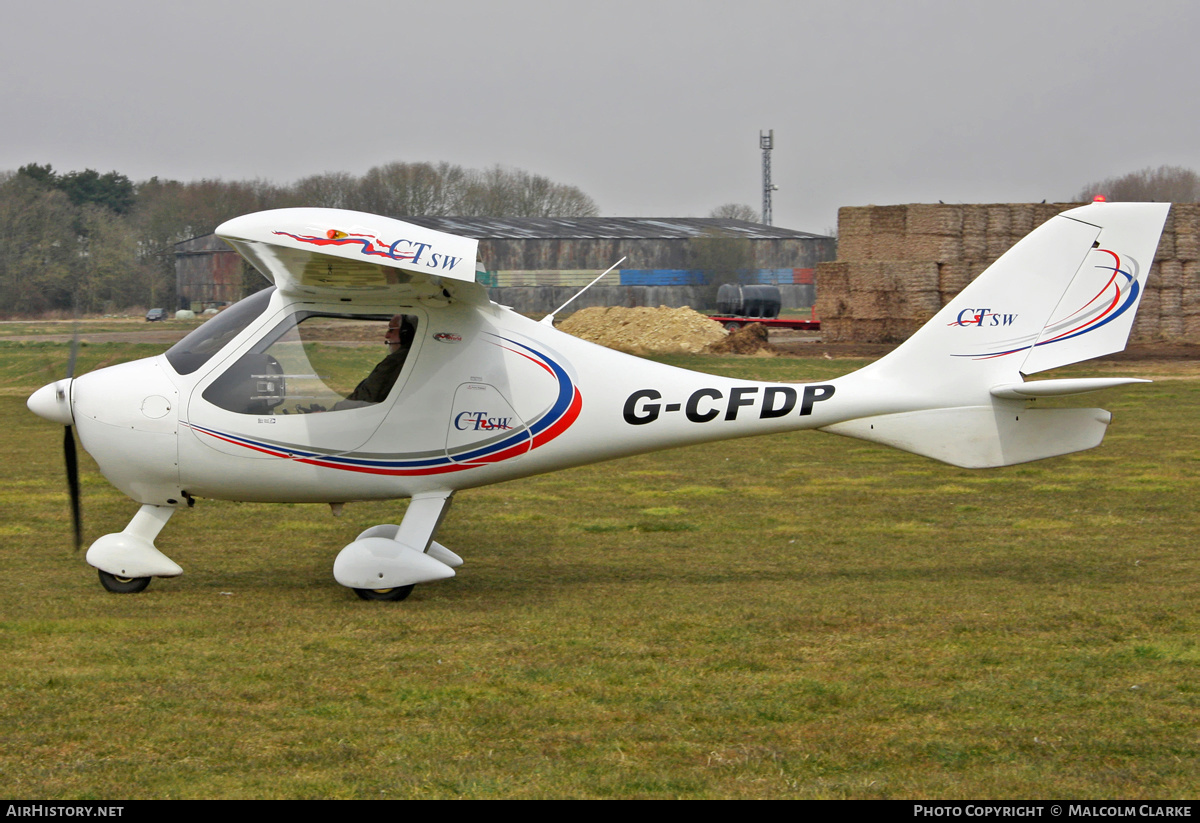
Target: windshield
[[194, 351]]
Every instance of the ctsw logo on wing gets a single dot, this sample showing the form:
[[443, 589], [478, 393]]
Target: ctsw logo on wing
[[402, 249]]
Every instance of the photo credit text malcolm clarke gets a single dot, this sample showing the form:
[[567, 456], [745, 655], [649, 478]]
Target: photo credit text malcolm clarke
[[995, 810]]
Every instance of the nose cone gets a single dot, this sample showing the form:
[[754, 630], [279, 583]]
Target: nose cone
[[126, 416], [53, 402]]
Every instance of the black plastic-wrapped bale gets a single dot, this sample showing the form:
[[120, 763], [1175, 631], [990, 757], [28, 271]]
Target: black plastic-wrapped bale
[[748, 301]]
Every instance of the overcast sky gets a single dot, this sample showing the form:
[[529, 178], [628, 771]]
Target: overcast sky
[[652, 107]]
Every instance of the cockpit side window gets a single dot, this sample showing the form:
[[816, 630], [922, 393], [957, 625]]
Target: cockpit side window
[[314, 362], [201, 344]]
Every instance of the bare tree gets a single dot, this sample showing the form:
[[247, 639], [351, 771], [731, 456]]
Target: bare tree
[[331, 190], [736, 211], [488, 193], [403, 189], [406, 189], [38, 248], [107, 250], [1166, 184], [504, 192]]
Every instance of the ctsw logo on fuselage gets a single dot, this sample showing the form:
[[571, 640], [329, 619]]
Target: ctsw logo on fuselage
[[983, 317], [703, 405], [479, 421]]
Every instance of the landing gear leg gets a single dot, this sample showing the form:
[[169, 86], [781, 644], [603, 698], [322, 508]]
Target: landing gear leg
[[128, 559]]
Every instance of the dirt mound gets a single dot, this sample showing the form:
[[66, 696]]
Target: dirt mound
[[751, 339], [645, 330]]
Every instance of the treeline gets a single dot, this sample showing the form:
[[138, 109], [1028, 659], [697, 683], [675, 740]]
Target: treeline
[[87, 243], [1165, 184]]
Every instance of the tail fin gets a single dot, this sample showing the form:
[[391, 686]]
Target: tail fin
[[1067, 292]]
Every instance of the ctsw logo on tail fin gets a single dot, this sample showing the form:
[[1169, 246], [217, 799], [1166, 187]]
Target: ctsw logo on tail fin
[[983, 317]]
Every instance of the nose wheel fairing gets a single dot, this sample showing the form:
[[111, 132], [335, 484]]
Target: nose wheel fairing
[[131, 554]]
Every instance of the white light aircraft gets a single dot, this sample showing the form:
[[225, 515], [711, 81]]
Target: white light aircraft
[[252, 406]]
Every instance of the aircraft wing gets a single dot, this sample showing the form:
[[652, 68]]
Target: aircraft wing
[[332, 252]]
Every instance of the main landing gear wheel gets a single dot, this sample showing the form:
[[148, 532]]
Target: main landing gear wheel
[[397, 594], [122, 585]]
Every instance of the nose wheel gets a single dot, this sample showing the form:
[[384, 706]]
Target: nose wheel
[[122, 585]]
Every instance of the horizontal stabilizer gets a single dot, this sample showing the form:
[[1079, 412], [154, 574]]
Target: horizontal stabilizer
[[978, 437], [1060, 388]]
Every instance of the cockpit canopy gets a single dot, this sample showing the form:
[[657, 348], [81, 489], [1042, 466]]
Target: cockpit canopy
[[311, 361], [193, 351], [315, 362]]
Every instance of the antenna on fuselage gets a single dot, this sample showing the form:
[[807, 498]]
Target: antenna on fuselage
[[549, 318]]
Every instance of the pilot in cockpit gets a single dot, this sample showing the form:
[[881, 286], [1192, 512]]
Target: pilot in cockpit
[[375, 387]]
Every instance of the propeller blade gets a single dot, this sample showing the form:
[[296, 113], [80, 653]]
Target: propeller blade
[[69, 455], [74, 351], [72, 462]]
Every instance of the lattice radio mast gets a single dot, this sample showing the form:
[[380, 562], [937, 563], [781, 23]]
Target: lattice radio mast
[[766, 142]]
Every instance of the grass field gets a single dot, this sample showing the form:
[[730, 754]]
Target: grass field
[[802, 616], [89, 326]]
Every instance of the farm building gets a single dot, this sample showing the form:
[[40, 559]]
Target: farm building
[[535, 264], [531, 251], [207, 273]]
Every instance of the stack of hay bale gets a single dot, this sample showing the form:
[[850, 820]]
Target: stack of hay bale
[[897, 265], [1171, 307]]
